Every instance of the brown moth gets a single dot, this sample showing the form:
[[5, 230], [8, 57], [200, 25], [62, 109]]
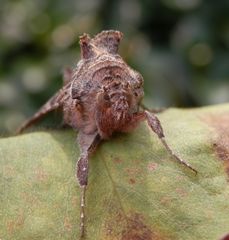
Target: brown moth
[[102, 95]]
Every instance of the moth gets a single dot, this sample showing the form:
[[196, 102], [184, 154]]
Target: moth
[[101, 95]]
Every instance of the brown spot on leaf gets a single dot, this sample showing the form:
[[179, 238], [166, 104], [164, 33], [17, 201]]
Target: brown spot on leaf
[[131, 227], [166, 200], [132, 181], [15, 224], [117, 160], [133, 173], [152, 166], [137, 229], [220, 123], [41, 175], [181, 192], [67, 224]]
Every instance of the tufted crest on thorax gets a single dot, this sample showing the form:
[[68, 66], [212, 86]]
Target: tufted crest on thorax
[[106, 41]]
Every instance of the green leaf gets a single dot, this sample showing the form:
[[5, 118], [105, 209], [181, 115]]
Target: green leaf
[[136, 190]]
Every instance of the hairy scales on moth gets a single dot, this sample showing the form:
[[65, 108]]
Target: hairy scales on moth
[[102, 95]]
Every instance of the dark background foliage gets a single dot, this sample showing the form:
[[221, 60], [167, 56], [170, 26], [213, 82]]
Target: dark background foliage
[[179, 46]]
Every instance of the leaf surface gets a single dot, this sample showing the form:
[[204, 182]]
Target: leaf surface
[[136, 190]]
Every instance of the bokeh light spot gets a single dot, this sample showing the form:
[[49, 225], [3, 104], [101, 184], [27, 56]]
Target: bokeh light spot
[[130, 11], [200, 54], [34, 79], [13, 120], [13, 22], [40, 24], [219, 93], [8, 93], [63, 36], [182, 4]]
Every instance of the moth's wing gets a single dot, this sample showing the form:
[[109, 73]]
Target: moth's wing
[[53, 103], [78, 76]]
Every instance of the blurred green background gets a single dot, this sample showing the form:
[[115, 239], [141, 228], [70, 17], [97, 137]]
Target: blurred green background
[[179, 46]]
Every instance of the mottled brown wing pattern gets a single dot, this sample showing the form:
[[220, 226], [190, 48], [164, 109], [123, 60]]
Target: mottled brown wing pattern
[[53, 103]]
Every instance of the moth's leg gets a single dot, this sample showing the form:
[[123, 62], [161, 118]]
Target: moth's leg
[[153, 110], [53, 103], [88, 144], [155, 125]]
